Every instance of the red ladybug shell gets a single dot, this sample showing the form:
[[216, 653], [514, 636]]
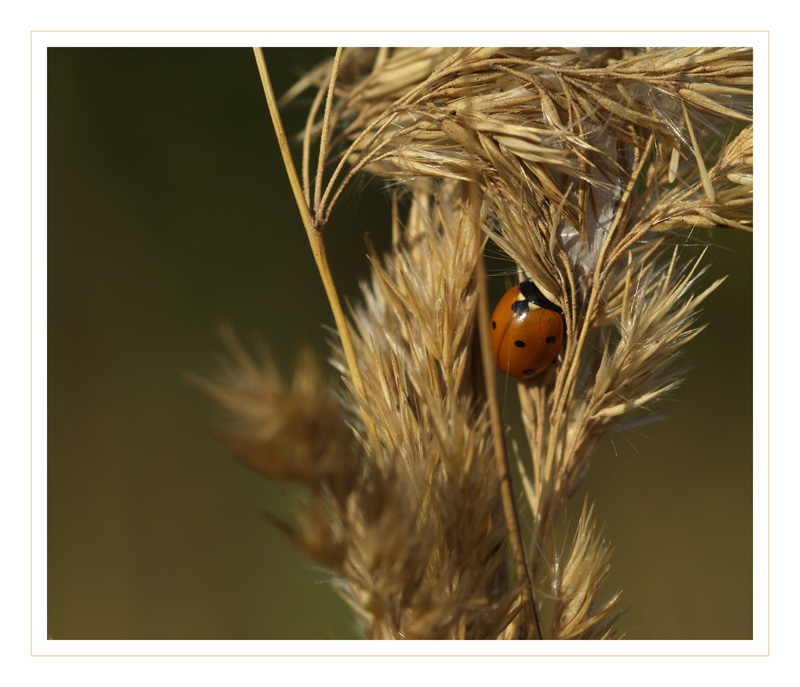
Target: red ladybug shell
[[527, 331]]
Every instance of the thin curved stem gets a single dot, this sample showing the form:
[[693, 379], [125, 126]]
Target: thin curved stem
[[326, 123], [314, 233], [528, 601]]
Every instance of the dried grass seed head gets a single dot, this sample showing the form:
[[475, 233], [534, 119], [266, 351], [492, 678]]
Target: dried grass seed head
[[588, 163]]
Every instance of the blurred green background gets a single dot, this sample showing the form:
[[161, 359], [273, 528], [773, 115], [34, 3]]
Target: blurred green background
[[168, 213]]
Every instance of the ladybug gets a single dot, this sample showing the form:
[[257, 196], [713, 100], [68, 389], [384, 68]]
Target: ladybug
[[527, 331]]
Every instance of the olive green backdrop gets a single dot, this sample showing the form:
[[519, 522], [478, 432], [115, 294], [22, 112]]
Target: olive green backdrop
[[168, 213]]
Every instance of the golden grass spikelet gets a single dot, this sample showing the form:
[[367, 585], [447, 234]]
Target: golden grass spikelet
[[412, 338], [576, 584], [421, 303], [287, 432], [590, 169], [409, 538], [531, 115], [652, 331]]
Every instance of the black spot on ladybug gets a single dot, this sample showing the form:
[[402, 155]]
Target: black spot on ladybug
[[528, 373], [494, 324], [550, 339], [519, 344]]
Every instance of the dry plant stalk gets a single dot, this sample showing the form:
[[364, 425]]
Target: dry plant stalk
[[589, 169]]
